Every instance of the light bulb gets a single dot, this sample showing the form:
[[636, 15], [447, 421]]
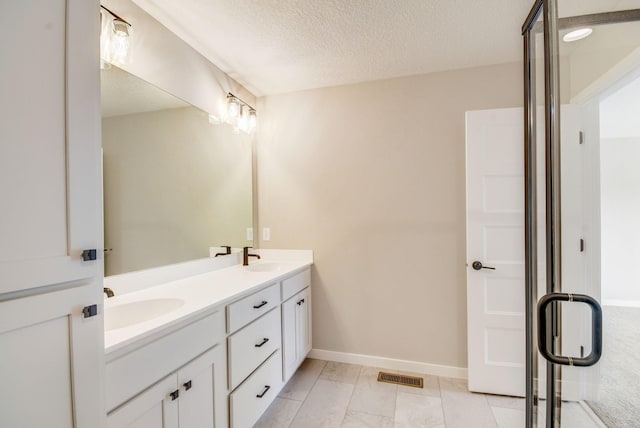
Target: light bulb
[[253, 120], [243, 123], [120, 42], [233, 108]]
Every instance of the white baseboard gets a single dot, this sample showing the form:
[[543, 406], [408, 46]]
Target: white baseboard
[[390, 363], [623, 303]]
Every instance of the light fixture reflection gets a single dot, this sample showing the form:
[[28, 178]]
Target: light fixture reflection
[[233, 110], [253, 120], [115, 39], [578, 34], [240, 115]]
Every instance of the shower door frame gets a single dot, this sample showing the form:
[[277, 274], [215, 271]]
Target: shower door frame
[[551, 25]]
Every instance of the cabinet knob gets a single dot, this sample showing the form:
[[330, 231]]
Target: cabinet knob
[[187, 385], [266, 388], [300, 302], [174, 395]]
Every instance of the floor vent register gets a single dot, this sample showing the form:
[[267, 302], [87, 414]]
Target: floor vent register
[[415, 381]]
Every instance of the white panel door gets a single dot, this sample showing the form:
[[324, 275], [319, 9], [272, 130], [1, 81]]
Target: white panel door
[[49, 142], [495, 238], [495, 221]]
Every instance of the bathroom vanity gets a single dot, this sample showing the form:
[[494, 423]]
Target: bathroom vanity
[[212, 349]]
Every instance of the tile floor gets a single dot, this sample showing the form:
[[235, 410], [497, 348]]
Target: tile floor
[[328, 394]]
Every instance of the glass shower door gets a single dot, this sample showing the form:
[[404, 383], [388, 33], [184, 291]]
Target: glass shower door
[[582, 62]]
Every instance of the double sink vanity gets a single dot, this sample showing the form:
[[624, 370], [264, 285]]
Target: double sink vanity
[[212, 346]]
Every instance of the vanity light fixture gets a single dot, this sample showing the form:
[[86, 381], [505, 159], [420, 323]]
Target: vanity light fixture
[[240, 115], [115, 39], [578, 34]]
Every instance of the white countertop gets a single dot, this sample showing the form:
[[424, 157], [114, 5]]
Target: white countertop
[[202, 294]]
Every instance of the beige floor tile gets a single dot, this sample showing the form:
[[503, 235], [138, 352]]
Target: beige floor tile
[[325, 406], [508, 418], [279, 414], [464, 409], [373, 397], [506, 402], [303, 380], [340, 372], [418, 411], [364, 420]]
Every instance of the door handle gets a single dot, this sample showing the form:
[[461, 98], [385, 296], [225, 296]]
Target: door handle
[[596, 329], [477, 265]]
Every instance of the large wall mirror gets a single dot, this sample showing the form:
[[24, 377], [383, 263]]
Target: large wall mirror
[[174, 183]]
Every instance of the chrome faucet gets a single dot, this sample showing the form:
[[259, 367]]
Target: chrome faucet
[[109, 292], [246, 255]]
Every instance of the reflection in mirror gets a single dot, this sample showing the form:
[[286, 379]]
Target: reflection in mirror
[[174, 184]]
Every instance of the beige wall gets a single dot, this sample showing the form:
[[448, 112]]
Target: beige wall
[[174, 185], [372, 178]]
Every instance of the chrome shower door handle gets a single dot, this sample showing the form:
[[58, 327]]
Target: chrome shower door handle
[[596, 329]]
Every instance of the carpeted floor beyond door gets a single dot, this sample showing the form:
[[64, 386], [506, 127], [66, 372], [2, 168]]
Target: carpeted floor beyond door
[[619, 402]]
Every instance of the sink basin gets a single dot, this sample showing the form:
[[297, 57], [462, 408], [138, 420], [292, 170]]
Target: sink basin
[[264, 267], [127, 314]]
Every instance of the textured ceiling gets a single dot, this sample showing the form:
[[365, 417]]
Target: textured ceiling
[[274, 46]]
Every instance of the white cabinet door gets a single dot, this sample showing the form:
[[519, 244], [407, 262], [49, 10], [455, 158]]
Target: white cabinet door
[[202, 385], [192, 397], [47, 346], [153, 408], [49, 142], [303, 325], [289, 350], [51, 212], [296, 331]]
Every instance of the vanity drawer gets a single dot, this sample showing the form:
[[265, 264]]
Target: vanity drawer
[[249, 347], [131, 373], [293, 285], [251, 307], [253, 397]]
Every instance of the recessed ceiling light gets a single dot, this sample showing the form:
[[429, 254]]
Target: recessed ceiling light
[[578, 34]]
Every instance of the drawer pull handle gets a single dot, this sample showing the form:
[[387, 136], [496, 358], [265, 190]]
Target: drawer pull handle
[[266, 388], [259, 345], [187, 386], [300, 302], [264, 302], [174, 395]]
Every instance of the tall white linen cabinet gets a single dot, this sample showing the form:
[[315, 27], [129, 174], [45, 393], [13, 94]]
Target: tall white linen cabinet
[[51, 324]]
